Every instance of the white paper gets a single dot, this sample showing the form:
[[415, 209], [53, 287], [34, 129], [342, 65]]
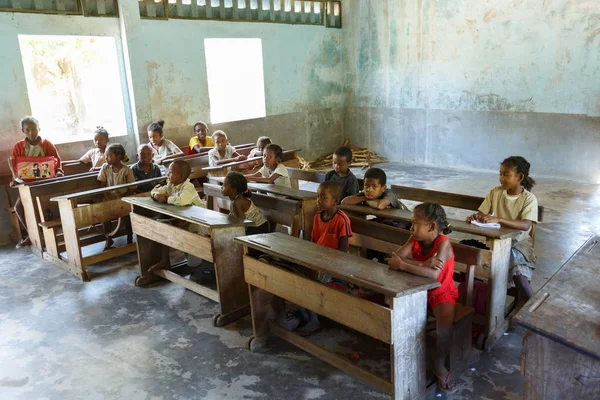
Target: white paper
[[488, 225]]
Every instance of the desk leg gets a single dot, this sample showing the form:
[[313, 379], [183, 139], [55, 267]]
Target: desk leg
[[74, 262], [31, 220], [264, 307], [408, 358], [309, 207], [229, 271], [150, 253], [496, 297]]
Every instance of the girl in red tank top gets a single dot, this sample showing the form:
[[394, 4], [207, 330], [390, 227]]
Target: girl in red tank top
[[429, 253]]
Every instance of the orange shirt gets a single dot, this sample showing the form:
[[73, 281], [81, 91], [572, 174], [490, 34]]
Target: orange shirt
[[328, 233]]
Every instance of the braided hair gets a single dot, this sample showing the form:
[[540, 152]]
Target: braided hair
[[238, 182], [119, 150], [521, 166], [433, 212]]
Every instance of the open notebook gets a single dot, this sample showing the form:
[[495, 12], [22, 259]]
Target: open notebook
[[484, 225]]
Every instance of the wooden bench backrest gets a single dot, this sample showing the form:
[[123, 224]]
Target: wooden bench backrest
[[275, 209], [454, 200], [240, 148], [297, 174], [45, 205]]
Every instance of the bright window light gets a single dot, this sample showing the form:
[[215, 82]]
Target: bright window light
[[236, 85], [74, 85]]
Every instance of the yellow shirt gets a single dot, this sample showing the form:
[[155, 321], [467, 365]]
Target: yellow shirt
[[195, 141]]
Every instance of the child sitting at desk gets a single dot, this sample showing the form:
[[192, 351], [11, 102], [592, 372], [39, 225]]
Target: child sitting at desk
[[113, 173], [200, 138], [375, 193], [223, 153], [272, 171], [145, 168], [96, 156], [162, 147], [261, 143], [342, 159], [235, 187], [429, 253], [179, 191], [512, 205], [32, 146]]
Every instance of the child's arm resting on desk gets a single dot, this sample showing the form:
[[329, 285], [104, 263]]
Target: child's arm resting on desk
[[159, 193], [430, 268], [520, 224], [259, 179], [183, 198], [354, 200]]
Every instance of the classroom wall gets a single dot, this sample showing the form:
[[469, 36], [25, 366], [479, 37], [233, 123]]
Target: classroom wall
[[467, 83]]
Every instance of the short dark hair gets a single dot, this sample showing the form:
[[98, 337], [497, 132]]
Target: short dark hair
[[264, 140], [184, 168], [344, 152], [376, 173], [238, 181], [275, 148], [335, 188]]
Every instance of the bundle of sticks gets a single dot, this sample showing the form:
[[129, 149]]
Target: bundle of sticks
[[361, 157]]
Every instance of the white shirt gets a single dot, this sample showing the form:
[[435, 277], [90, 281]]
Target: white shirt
[[183, 194], [283, 180], [214, 155], [95, 157]]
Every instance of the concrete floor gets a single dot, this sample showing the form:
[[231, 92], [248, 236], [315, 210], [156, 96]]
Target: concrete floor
[[64, 339]]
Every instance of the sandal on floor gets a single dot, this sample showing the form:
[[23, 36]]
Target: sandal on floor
[[446, 385]]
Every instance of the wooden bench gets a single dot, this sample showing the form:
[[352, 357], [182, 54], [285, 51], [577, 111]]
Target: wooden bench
[[277, 210], [499, 241], [387, 239], [561, 350], [250, 165], [297, 175], [401, 326], [214, 243], [79, 211], [307, 200]]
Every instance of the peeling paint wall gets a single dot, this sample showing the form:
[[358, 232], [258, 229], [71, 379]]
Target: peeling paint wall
[[466, 83]]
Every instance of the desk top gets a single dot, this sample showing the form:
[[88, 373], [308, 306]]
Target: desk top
[[295, 194], [193, 214], [359, 271], [457, 225], [569, 312], [93, 192]]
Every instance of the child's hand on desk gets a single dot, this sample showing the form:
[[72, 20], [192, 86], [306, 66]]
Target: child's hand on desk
[[435, 262], [394, 262], [475, 217], [241, 157], [161, 198], [490, 219]]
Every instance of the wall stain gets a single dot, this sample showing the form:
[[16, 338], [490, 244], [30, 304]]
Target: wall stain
[[493, 102]]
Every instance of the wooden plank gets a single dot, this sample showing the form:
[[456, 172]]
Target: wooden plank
[[350, 268], [333, 359], [66, 266], [31, 218], [409, 320], [108, 254], [192, 214], [71, 237], [309, 176], [457, 225], [100, 191], [497, 283], [569, 303], [96, 213], [171, 236], [150, 253], [358, 314], [229, 268], [557, 372], [190, 285]]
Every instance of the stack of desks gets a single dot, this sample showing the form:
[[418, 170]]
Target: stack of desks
[[306, 199], [402, 325], [212, 241], [561, 350], [496, 270]]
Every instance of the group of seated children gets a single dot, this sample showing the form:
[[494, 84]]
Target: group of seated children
[[427, 253]]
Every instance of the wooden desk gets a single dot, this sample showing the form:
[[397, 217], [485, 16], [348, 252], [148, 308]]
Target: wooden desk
[[247, 166], [308, 201], [401, 326], [498, 240], [214, 243], [83, 210], [561, 350]]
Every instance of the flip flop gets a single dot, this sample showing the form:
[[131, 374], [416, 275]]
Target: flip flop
[[446, 385]]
